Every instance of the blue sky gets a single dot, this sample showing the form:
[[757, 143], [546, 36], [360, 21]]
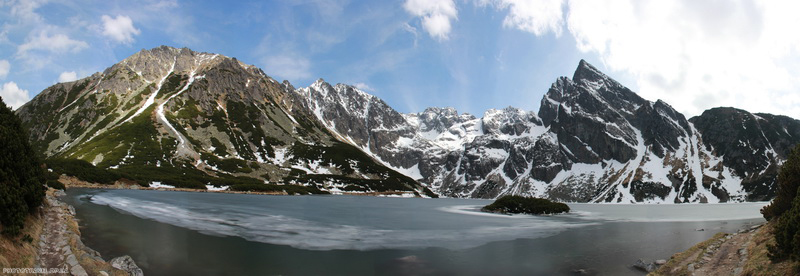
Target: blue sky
[[469, 54]]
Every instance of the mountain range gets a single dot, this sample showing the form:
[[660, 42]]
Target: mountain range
[[169, 111]]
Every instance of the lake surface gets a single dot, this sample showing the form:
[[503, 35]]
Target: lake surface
[[179, 233]]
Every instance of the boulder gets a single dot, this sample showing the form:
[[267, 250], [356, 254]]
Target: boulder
[[126, 263], [644, 266]]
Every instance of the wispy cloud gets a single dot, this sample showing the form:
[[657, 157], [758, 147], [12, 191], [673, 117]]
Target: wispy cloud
[[363, 87], [288, 66], [5, 67]]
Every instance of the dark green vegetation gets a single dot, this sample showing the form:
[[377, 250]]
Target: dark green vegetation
[[785, 211], [180, 177], [82, 170], [21, 175], [289, 189], [512, 204]]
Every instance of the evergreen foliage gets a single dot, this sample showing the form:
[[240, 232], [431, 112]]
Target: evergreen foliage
[[788, 181], [21, 175], [512, 204], [787, 234], [785, 211]]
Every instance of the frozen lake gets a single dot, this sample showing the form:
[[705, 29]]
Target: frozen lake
[[170, 233]]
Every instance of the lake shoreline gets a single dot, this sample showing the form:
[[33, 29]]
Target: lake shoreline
[[74, 182]]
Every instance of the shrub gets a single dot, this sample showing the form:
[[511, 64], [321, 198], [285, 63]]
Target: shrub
[[21, 174], [788, 181], [512, 204]]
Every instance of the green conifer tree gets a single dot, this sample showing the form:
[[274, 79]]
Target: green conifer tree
[[21, 174]]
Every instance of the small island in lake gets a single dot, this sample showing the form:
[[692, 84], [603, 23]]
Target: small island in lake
[[512, 204]]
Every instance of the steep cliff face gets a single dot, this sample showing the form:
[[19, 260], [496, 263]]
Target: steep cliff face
[[753, 146], [174, 110], [593, 140]]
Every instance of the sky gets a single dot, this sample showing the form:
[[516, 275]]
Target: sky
[[472, 55]]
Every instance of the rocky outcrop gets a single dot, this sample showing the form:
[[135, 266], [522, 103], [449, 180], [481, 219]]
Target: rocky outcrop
[[126, 263]]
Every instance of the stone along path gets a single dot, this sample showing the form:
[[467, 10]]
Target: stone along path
[[54, 248]]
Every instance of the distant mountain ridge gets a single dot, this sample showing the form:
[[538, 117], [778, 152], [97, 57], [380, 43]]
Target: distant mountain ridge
[[592, 140]]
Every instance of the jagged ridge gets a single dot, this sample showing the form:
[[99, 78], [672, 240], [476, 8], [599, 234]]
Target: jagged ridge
[[593, 140]]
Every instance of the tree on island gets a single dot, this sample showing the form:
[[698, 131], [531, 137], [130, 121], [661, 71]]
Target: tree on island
[[21, 174], [512, 204]]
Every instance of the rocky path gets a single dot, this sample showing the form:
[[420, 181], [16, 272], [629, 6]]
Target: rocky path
[[55, 251], [723, 255]]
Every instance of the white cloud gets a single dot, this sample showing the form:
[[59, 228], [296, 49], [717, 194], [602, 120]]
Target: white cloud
[[4, 68], [13, 96], [58, 43], [436, 15], [120, 28], [289, 67], [697, 54], [67, 76], [363, 87], [537, 17], [26, 10]]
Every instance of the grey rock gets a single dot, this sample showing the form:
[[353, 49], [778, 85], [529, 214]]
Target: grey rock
[[126, 263], [78, 271], [660, 262], [72, 260], [644, 266]]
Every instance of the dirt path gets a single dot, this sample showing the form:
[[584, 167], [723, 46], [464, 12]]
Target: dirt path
[[54, 249]]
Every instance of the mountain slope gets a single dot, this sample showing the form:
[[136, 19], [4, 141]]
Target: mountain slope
[[593, 140], [194, 119], [169, 111]]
